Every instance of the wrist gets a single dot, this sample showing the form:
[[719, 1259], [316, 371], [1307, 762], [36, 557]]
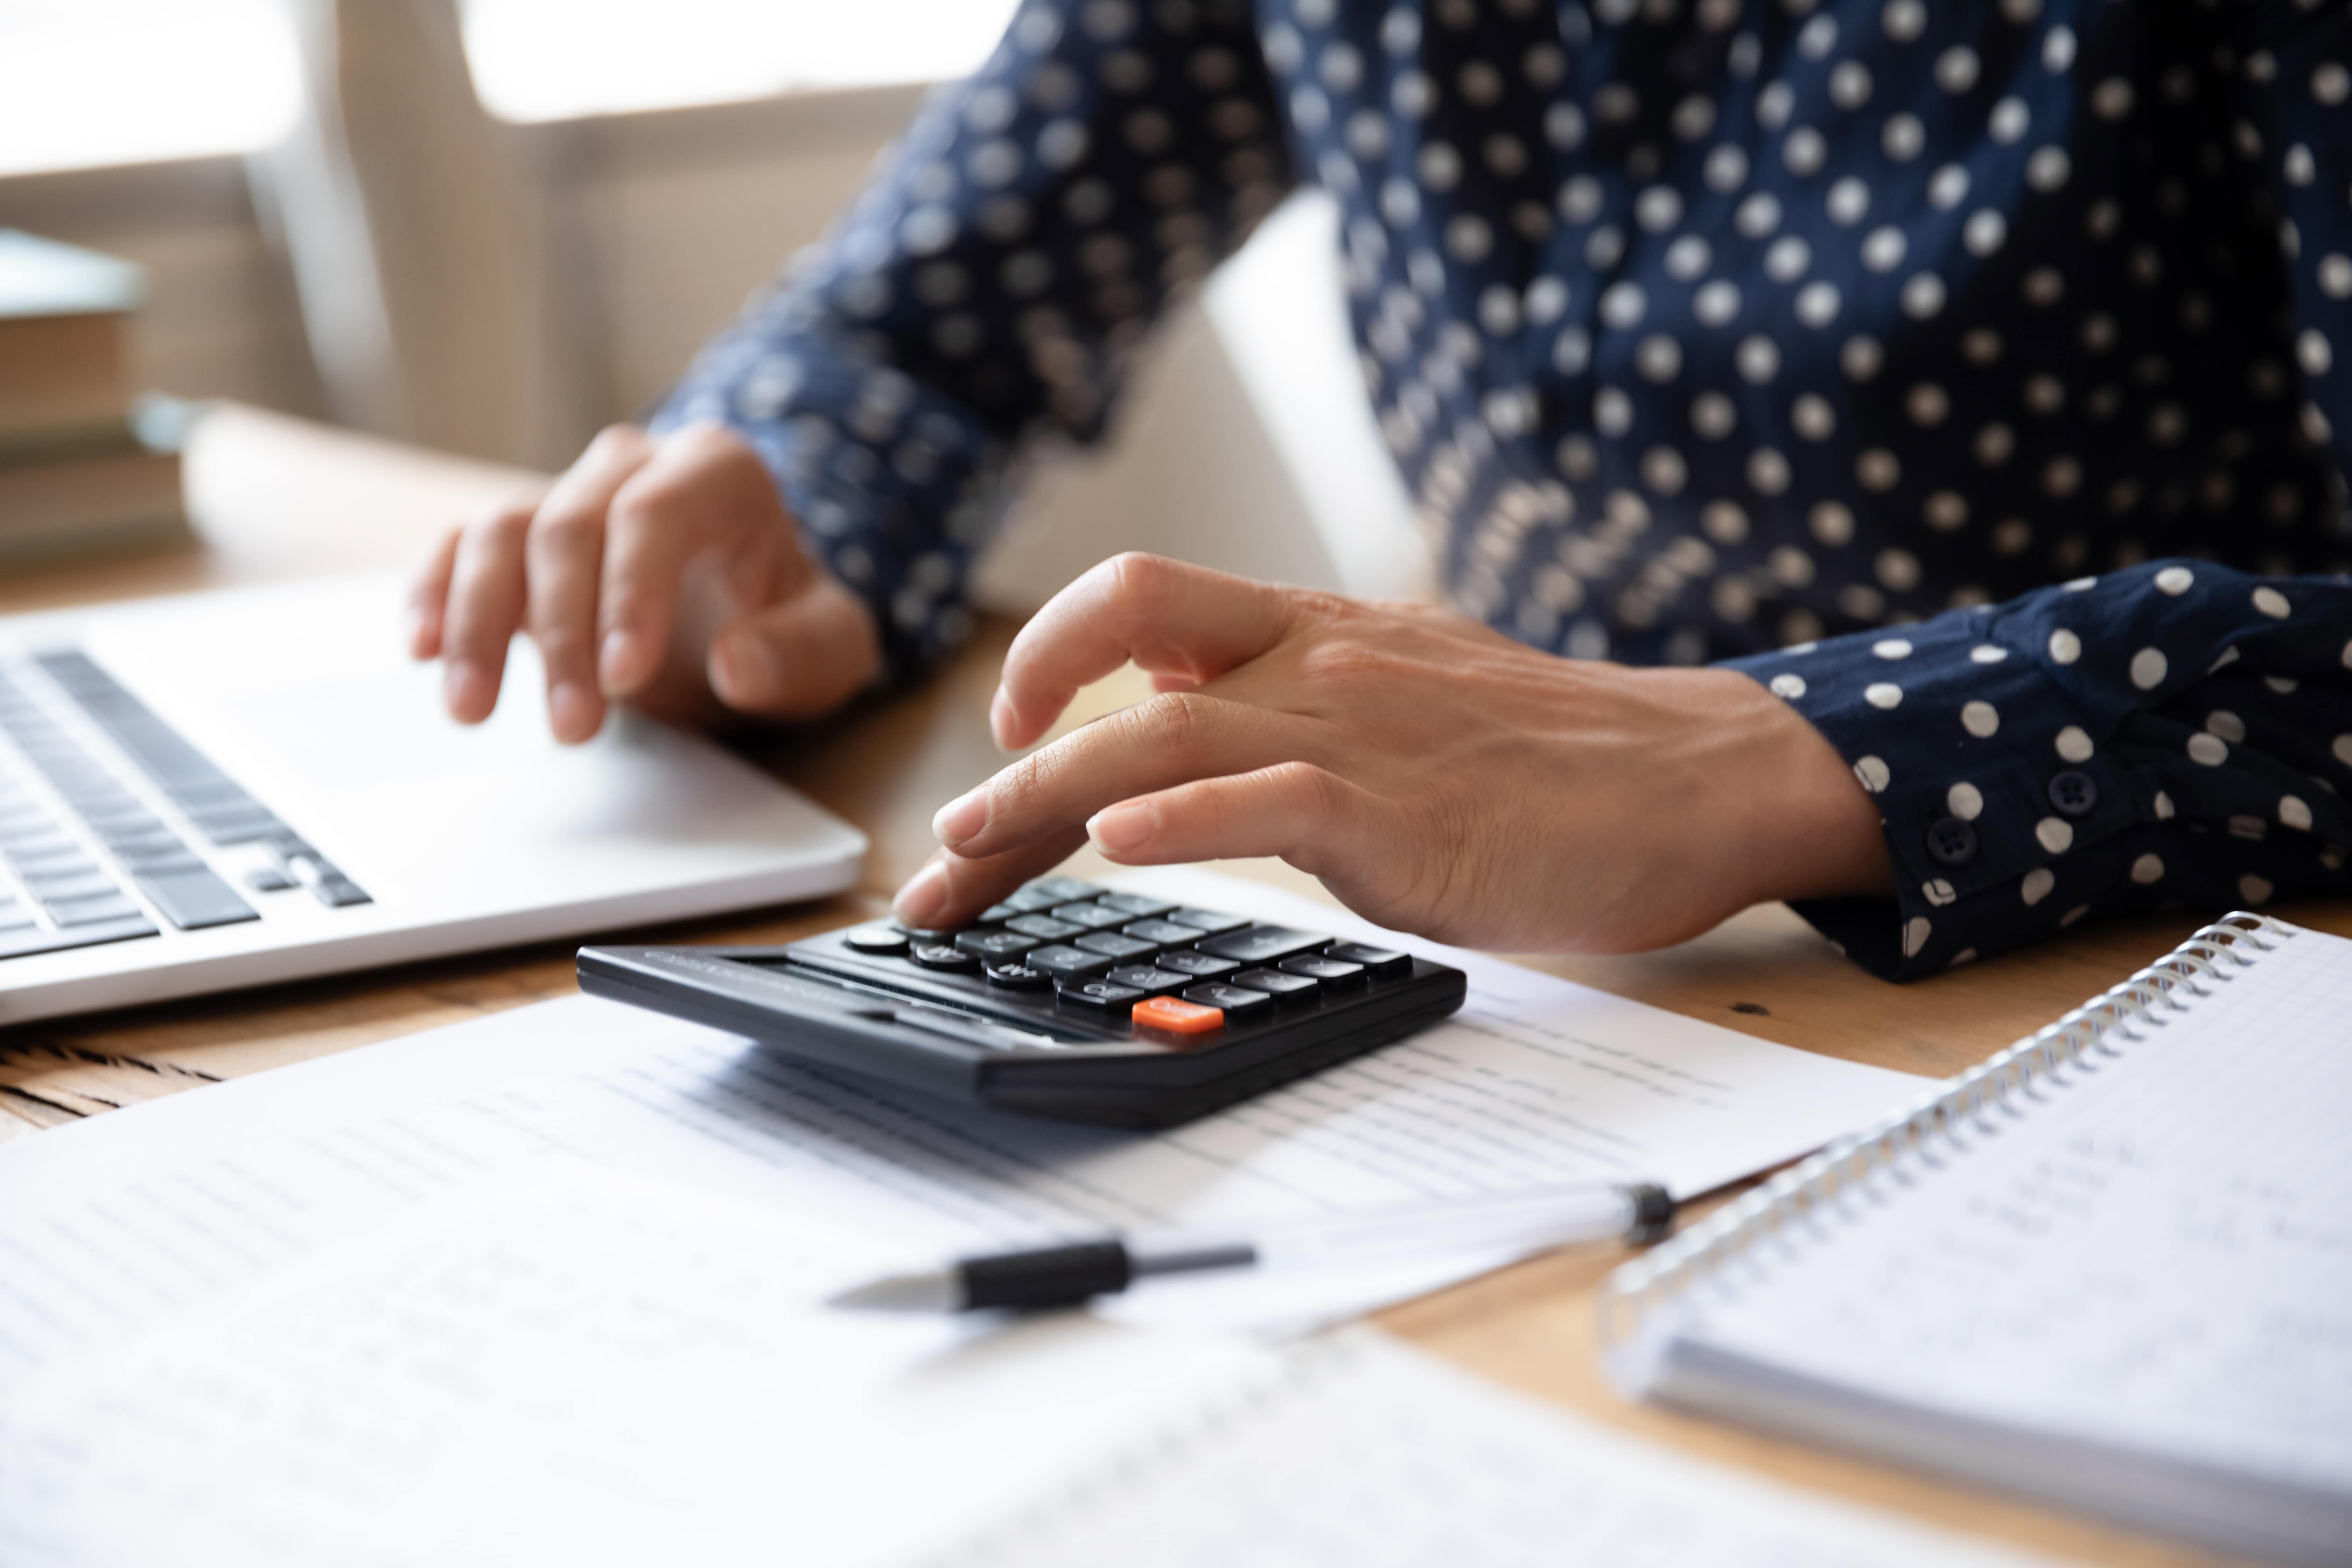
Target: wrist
[[1813, 829]]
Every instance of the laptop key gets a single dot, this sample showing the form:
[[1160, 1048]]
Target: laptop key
[[25, 943], [85, 882], [338, 892], [270, 880], [111, 907], [194, 900]]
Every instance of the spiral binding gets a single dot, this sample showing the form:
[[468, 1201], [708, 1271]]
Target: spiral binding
[[1640, 1289]]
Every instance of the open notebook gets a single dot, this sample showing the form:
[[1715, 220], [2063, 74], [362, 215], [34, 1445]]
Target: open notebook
[[2111, 1267]]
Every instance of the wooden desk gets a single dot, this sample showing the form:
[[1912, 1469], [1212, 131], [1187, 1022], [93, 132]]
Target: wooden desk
[[276, 498]]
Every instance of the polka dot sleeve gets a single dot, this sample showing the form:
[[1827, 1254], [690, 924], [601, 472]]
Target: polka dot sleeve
[[991, 286], [2173, 736]]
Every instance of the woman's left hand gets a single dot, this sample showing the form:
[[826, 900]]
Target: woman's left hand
[[1439, 778]]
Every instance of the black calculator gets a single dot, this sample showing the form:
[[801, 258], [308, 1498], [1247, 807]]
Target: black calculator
[[1067, 1001]]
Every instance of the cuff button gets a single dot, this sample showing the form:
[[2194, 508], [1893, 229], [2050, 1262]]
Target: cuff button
[[2074, 792], [1952, 842]]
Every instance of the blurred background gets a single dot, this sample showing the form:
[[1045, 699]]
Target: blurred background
[[491, 226]]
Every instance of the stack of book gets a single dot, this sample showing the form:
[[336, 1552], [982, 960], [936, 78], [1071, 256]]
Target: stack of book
[[84, 465]]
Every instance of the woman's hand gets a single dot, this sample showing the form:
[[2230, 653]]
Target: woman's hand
[[661, 571], [1439, 778]]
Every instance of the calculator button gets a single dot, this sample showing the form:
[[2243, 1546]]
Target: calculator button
[[1110, 944], [1329, 971], [1137, 905], [939, 956], [1102, 995], [1094, 917], [994, 945], [1162, 933], [1018, 976], [1064, 962], [1045, 928], [997, 914], [876, 942], [1177, 1017], [919, 935], [1150, 981], [1066, 890], [1380, 962], [1282, 987], [1030, 901], [1264, 944], [1238, 1006], [1208, 920], [1199, 966]]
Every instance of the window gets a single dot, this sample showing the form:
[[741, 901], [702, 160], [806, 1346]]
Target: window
[[554, 59], [87, 82]]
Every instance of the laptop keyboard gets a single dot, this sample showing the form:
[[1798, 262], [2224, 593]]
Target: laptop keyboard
[[109, 868]]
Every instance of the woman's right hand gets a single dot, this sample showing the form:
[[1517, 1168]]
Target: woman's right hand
[[661, 571]]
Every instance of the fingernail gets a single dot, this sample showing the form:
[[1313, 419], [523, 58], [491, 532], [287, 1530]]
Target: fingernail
[[1119, 828], [961, 818], [461, 690], [616, 664], [749, 672], [572, 712], [1000, 719], [923, 897]]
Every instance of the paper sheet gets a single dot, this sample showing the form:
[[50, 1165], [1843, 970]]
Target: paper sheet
[[1363, 1453], [151, 1261]]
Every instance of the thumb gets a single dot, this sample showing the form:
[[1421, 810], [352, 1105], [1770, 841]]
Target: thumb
[[799, 659]]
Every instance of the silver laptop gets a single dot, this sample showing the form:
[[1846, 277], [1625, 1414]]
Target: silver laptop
[[247, 785]]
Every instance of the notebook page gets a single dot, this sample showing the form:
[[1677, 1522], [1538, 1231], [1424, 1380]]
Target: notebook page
[[1376, 1456], [2154, 1254]]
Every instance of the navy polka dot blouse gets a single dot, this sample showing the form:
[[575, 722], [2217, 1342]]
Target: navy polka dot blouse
[[1967, 373]]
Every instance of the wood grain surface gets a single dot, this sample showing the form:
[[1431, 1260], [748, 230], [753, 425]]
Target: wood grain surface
[[273, 498]]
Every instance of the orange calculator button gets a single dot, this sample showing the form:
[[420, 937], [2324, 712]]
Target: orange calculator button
[[1178, 1018]]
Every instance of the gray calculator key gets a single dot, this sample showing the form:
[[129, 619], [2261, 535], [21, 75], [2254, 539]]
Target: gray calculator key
[[1280, 986], [994, 945], [1241, 1007], [1102, 995], [939, 955], [1068, 888], [1045, 928], [1137, 905], [996, 914], [1152, 982], [1017, 976], [875, 941], [194, 900], [1031, 901], [1199, 966], [1264, 944], [1380, 963], [1094, 917], [1209, 920], [1329, 971], [1162, 933], [1064, 962], [1110, 944]]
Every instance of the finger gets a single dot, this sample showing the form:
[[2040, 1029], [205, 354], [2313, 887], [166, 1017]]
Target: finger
[[485, 610], [1312, 817], [562, 556], [798, 660], [428, 596], [1165, 741], [1161, 614], [951, 889], [704, 485]]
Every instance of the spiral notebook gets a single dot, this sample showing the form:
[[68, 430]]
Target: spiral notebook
[[2111, 1267]]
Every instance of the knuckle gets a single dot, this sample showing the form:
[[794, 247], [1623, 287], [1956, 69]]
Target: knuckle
[[1171, 723], [1343, 661], [502, 529], [614, 441], [1135, 576]]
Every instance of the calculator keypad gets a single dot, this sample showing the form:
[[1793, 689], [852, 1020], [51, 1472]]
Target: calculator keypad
[[1167, 970]]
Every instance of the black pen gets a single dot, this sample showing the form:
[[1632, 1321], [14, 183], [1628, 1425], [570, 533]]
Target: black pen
[[1072, 1272]]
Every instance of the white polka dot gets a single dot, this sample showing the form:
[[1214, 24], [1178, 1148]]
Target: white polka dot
[[1916, 932], [2254, 890], [1986, 653], [2209, 750], [1883, 694], [2074, 914], [1873, 773], [2074, 745], [1980, 720], [1891, 648], [2037, 885], [1956, 69], [1790, 686], [2175, 581], [1882, 250], [2343, 750], [2226, 724], [2147, 868], [2055, 834], [2148, 669], [2272, 602], [2163, 806], [2293, 812], [2066, 647], [1965, 801]]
